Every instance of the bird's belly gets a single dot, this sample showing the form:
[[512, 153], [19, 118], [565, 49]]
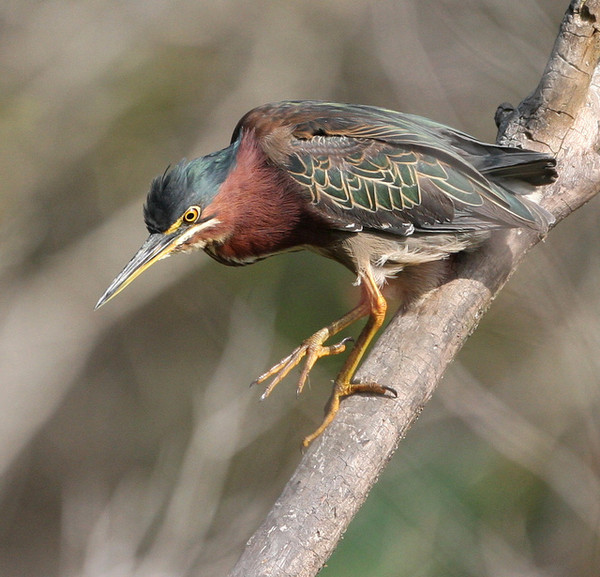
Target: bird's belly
[[386, 256]]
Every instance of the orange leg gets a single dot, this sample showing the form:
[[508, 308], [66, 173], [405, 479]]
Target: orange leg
[[343, 387], [372, 304]]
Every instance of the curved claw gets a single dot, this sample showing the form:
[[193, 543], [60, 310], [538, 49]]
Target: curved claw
[[313, 349], [342, 389]]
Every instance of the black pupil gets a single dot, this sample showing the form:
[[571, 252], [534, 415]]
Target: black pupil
[[191, 216]]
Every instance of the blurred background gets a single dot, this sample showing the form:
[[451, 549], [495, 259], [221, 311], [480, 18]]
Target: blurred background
[[130, 442]]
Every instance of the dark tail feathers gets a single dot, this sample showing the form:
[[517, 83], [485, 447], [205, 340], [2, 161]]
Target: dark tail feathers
[[535, 168]]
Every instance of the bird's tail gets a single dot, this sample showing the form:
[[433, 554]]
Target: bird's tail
[[516, 164], [515, 171], [519, 172], [503, 162]]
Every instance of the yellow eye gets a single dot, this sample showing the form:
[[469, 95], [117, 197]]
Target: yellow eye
[[191, 215]]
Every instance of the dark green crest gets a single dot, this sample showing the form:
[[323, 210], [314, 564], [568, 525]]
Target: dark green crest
[[188, 183]]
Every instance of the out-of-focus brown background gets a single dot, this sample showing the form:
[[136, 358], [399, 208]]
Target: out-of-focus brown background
[[130, 443]]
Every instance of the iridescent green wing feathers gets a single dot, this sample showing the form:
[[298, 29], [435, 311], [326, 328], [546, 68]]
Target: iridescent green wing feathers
[[392, 189], [367, 167]]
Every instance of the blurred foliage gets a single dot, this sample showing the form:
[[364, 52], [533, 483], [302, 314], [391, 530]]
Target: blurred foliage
[[130, 443]]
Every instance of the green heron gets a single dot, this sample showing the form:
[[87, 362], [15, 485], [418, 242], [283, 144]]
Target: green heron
[[385, 194]]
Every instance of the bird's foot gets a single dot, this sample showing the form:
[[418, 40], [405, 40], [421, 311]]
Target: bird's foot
[[343, 389], [313, 349]]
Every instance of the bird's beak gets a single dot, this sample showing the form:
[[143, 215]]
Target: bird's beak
[[157, 246]]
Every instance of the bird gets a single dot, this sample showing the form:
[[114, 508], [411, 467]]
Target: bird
[[390, 196]]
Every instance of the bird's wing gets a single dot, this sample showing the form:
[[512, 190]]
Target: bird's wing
[[367, 167]]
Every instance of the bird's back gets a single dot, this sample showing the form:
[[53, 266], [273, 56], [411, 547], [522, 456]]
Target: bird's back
[[365, 167]]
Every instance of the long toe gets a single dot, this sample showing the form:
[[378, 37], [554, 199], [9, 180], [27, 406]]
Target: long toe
[[347, 389]]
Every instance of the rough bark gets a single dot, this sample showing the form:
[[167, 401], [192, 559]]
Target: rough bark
[[335, 475]]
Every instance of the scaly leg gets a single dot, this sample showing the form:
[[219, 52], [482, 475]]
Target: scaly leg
[[372, 304], [376, 307]]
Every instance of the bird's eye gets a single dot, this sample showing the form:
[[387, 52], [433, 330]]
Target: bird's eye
[[191, 215]]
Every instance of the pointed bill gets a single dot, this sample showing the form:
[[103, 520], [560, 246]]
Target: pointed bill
[[157, 246]]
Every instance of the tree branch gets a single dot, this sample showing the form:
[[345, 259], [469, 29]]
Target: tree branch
[[336, 474]]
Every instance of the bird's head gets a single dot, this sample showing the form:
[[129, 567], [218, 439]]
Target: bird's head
[[178, 214]]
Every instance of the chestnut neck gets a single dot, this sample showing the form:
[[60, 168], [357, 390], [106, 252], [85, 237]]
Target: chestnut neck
[[262, 211]]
